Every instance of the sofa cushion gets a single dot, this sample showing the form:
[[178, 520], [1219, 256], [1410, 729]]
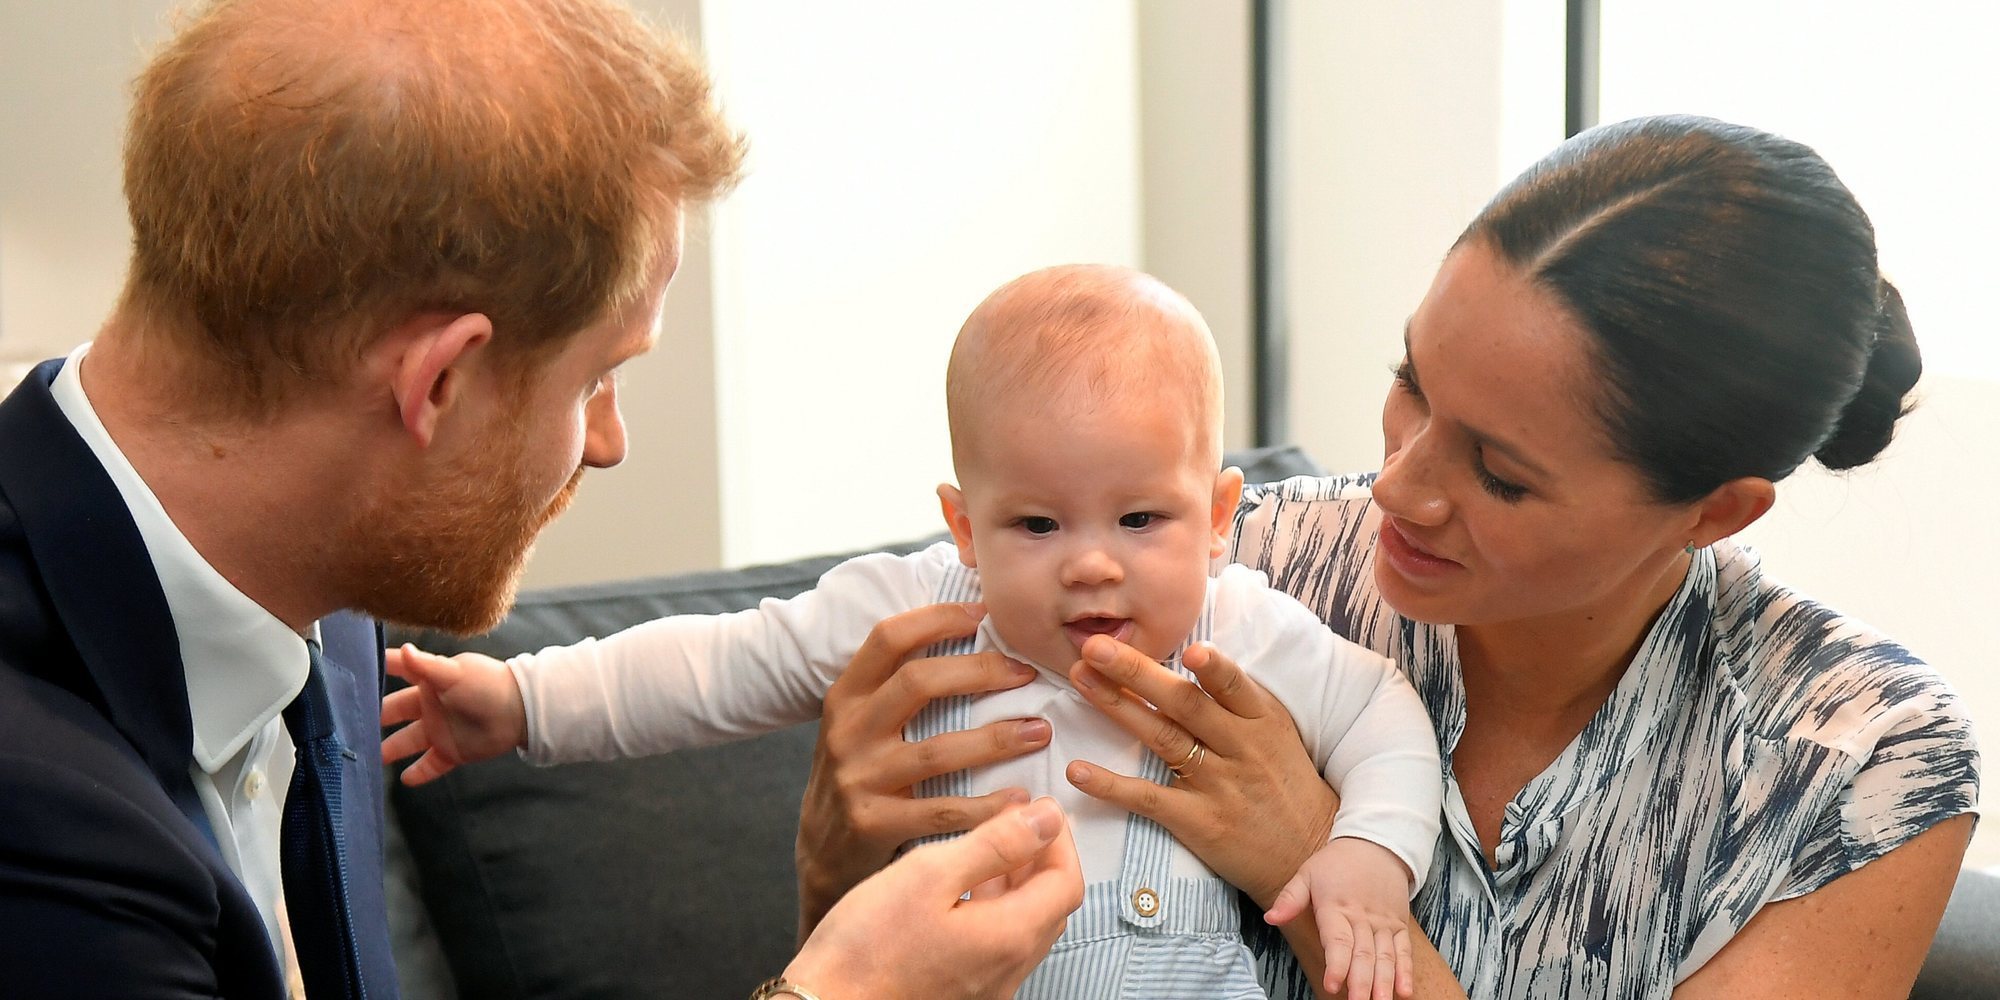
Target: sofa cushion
[[661, 876]]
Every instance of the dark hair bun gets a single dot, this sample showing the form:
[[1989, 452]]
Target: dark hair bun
[[1868, 422]]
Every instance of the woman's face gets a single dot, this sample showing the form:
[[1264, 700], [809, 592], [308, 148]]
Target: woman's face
[[1501, 499]]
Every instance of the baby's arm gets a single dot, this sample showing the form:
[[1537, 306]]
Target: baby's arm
[[696, 680], [667, 684], [1368, 732]]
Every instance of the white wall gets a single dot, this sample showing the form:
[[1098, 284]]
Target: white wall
[[64, 69], [1194, 101], [1393, 120], [907, 158]]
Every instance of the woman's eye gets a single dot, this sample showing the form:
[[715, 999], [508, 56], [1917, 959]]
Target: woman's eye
[[1500, 488], [1137, 519], [1038, 525], [1406, 378]]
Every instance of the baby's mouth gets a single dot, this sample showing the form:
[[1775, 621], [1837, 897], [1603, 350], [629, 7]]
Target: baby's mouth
[[1081, 629]]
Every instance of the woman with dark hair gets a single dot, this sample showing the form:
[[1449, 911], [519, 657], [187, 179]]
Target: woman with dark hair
[[1665, 772]]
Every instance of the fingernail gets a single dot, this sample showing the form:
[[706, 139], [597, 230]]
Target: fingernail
[[1034, 731], [1019, 669], [975, 610], [1078, 773], [1043, 817], [1017, 796], [1085, 678]]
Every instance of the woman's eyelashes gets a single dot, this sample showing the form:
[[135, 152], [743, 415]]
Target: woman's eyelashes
[[1500, 488], [1406, 377]]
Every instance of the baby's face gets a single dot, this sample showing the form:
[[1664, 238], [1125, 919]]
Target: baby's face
[[1103, 522]]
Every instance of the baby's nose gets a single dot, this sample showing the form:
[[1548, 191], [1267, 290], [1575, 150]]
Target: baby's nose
[[1092, 567]]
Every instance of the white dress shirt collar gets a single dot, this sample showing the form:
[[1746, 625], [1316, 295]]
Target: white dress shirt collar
[[243, 665]]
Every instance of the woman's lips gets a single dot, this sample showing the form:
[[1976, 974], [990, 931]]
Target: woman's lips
[[1409, 558], [1080, 629]]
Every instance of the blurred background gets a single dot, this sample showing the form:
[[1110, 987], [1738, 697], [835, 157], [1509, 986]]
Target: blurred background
[[1296, 167]]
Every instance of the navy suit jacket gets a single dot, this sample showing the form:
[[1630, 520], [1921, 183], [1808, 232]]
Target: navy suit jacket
[[111, 884]]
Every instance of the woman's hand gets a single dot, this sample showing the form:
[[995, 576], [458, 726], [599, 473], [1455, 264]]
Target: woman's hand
[[1252, 806], [858, 806]]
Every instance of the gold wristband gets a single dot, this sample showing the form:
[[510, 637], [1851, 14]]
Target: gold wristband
[[781, 986]]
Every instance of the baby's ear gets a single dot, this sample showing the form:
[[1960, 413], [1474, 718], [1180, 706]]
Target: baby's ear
[[1222, 509], [959, 521]]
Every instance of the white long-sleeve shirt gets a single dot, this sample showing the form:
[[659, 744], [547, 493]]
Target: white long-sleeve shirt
[[695, 680]]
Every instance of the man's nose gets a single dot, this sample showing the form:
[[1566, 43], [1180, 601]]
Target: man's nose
[[603, 429]]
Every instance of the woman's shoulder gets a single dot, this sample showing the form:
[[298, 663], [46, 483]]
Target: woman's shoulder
[[1311, 518], [1807, 671]]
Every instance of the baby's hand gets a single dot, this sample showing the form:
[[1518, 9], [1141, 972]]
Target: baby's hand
[[1360, 895], [461, 710]]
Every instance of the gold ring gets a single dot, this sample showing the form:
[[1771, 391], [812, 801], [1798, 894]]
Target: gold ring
[[1195, 755]]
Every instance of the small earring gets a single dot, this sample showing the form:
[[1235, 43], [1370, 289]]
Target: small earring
[[1690, 547]]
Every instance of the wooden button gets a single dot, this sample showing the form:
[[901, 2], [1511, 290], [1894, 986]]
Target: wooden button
[[1146, 902]]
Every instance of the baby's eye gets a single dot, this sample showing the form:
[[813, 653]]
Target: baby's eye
[[1138, 519], [1038, 525]]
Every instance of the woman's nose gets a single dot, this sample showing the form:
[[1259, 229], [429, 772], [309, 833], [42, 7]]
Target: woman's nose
[[1408, 487]]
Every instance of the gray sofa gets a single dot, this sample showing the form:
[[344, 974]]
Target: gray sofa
[[672, 876]]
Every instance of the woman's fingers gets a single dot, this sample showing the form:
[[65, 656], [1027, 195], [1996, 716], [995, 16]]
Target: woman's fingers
[[943, 754], [894, 638], [1227, 684], [919, 682], [1182, 711], [1156, 802]]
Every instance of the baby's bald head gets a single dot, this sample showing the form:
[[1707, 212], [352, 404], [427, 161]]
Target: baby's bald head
[[1079, 338]]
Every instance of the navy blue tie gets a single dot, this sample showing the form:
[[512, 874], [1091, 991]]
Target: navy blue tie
[[311, 854]]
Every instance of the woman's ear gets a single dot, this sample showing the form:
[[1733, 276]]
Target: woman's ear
[[1222, 509], [958, 521], [1730, 508], [428, 377]]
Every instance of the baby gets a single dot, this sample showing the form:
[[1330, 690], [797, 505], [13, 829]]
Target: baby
[[1085, 407]]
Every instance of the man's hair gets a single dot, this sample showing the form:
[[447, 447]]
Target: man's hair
[[1080, 336], [304, 174]]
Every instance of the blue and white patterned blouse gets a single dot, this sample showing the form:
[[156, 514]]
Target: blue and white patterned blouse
[[1758, 747]]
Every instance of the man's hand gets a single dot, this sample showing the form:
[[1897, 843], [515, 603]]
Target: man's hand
[[461, 710], [906, 931]]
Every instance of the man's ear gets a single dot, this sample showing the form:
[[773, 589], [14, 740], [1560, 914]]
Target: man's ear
[[959, 521], [1222, 509], [431, 368], [1730, 508]]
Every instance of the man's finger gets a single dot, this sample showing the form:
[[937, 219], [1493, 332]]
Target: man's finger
[[998, 846]]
